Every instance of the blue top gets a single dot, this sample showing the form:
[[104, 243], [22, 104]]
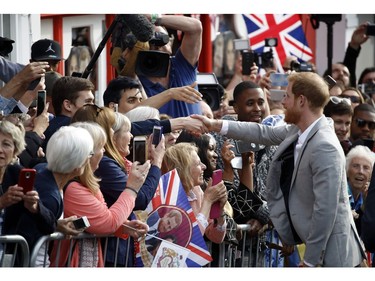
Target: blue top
[[181, 73], [18, 220], [355, 204]]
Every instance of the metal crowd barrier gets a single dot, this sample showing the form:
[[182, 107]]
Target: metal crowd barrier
[[12, 248], [252, 252], [260, 251], [43, 244]]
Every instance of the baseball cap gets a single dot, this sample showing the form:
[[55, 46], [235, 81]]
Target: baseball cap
[[46, 49]]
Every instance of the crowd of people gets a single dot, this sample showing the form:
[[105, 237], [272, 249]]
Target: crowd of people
[[301, 166]]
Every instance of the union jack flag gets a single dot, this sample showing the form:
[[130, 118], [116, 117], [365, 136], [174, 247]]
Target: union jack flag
[[286, 28], [170, 194]]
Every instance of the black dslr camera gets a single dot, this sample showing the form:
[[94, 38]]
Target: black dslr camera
[[154, 63], [210, 88], [301, 66]]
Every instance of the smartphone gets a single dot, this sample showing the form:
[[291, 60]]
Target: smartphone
[[215, 211], [26, 179], [277, 95], [81, 223], [241, 44], [235, 149], [157, 133], [247, 62], [330, 81], [279, 79], [41, 102], [140, 149], [33, 84]]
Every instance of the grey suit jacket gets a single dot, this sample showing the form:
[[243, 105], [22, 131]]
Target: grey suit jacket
[[318, 198]]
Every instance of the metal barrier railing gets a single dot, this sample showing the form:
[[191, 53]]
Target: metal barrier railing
[[252, 252], [14, 247], [42, 248]]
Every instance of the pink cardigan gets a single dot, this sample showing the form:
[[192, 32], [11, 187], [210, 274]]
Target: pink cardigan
[[79, 201]]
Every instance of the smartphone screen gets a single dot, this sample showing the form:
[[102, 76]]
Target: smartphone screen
[[279, 79], [157, 134], [41, 102], [26, 179], [215, 211], [139, 149]]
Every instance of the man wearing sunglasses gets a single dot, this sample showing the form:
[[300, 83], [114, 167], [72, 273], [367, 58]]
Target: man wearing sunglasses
[[362, 129]]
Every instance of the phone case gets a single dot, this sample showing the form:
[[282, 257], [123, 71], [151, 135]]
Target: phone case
[[156, 135], [215, 211], [41, 102], [26, 179], [140, 149]]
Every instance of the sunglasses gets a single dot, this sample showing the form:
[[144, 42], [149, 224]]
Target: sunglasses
[[353, 99], [337, 100], [362, 123]]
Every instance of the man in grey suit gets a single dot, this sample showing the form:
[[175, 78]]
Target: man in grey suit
[[306, 185]]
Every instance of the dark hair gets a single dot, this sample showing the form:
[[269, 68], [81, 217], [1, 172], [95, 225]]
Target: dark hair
[[115, 88], [363, 107], [67, 88], [364, 73], [242, 87], [340, 108]]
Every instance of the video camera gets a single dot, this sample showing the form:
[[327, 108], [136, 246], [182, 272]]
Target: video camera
[[153, 63], [211, 90]]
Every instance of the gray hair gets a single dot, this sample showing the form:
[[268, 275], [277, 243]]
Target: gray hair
[[68, 149], [96, 131], [121, 120], [17, 132], [142, 113], [360, 151]]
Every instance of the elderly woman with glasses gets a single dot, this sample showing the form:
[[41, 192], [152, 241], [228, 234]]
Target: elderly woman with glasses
[[38, 212]]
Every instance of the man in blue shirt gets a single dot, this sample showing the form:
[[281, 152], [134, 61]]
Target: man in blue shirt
[[182, 69]]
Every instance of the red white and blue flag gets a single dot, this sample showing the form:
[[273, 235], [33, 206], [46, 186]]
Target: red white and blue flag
[[171, 194], [286, 28]]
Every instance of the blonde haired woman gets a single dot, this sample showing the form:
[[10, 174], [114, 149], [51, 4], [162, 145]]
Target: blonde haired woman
[[184, 158]]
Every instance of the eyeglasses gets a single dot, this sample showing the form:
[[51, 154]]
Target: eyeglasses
[[97, 108], [353, 99], [337, 100], [362, 123]]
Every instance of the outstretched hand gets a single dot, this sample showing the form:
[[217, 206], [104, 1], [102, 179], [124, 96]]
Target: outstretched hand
[[209, 124]]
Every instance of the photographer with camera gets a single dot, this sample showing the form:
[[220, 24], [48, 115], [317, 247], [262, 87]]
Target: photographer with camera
[[182, 68]]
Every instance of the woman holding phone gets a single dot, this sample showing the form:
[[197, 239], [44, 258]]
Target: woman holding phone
[[184, 158], [35, 213], [83, 198], [113, 174]]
